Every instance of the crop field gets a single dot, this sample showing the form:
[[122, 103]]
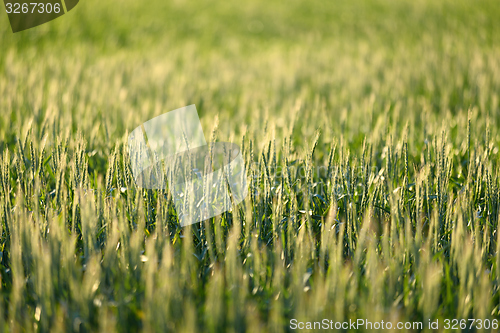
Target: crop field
[[370, 134]]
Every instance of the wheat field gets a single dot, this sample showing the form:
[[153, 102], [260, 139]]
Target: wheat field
[[370, 134]]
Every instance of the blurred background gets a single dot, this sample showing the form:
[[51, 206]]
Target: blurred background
[[331, 63]]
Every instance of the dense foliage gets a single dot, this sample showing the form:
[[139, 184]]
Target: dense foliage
[[370, 131]]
